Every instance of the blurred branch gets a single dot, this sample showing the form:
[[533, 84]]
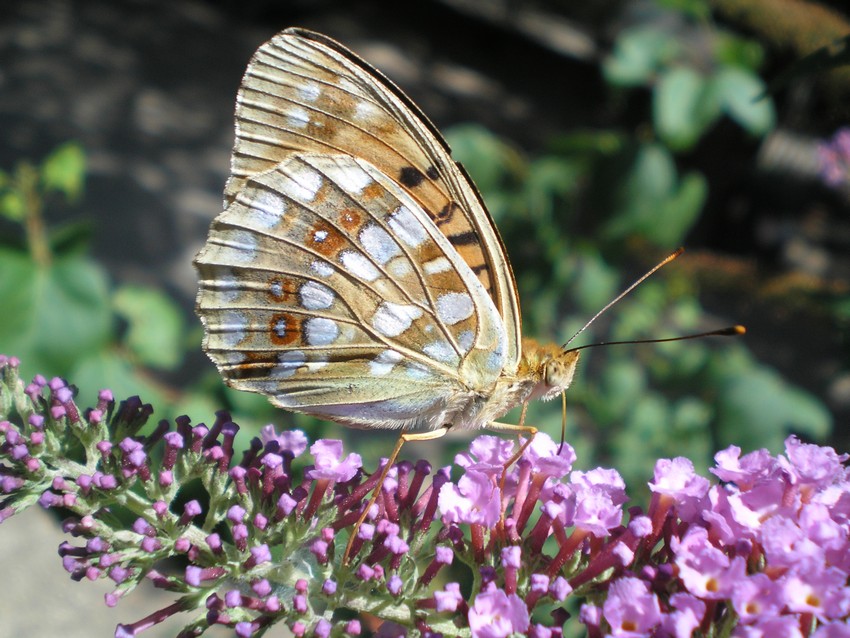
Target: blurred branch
[[548, 29]]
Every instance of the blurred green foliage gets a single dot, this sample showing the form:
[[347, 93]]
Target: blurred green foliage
[[574, 219], [600, 200], [63, 316], [634, 404], [696, 76]]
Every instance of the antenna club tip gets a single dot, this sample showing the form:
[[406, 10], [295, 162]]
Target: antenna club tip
[[739, 330]]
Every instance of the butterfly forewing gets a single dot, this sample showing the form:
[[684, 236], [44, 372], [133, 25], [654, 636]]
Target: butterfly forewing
[[304, 94], [326, 286]]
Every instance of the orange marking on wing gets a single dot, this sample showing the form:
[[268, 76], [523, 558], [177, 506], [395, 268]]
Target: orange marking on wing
[[350, 219], [324, 239], [283, 290], [285, 329], [372, 191]]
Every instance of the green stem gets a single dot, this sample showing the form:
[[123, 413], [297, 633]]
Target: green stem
[[27, 183]]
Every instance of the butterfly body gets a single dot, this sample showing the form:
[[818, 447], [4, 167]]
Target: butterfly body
[[355, 274]]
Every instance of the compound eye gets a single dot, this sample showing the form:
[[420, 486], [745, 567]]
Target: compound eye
[[558, 372], [553, 373]]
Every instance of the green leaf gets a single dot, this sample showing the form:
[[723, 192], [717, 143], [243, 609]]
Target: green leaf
[[742, 97], [73, 236], [696, 9], [549, 178], [199, 406], [733, 50], [596, 282], [583, 141], [679, 360], [638, 53], [54, 315], [680, 108], [691, 415], [641, 315], [487, 158], [64, 170], [648, 200], [647, 181], [155, 333], [643, 439], [12, 205], [679, 213], [447, 626], [757, 408], [654, 172], [623, 384]]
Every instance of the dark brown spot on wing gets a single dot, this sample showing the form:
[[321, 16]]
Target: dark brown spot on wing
[[432, 172], [469, 253], [255, 365], [446, 214], [410, 176], [468, 238], [373, 191]]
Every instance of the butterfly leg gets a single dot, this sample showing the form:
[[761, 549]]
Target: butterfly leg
[[403, 438], [517, 431]]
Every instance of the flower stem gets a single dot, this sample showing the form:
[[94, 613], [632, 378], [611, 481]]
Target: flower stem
[[27, 182]]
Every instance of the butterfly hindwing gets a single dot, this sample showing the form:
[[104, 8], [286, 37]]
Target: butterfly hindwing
[[326, 286], [303, 93]]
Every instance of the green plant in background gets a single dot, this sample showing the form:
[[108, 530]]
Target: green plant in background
[[697, 74], [62, 314], [573, 220]]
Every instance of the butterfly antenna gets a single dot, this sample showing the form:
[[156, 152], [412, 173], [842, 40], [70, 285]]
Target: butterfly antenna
[[731, 331], [634, 285]]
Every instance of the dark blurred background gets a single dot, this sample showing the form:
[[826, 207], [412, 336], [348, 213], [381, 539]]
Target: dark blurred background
[[602, 135]]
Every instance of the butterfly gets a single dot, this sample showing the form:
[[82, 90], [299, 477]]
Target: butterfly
[[355, 273]]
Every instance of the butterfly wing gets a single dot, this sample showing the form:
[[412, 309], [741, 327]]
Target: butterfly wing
[[305, 93], [326, 286]]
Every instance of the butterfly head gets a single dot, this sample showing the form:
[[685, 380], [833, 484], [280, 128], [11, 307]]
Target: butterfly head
[[551, 367], [558, 373]]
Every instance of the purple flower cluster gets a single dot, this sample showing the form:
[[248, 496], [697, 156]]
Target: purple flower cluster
[[834, 159], [765, 550], [529, 526], [264, 525]]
